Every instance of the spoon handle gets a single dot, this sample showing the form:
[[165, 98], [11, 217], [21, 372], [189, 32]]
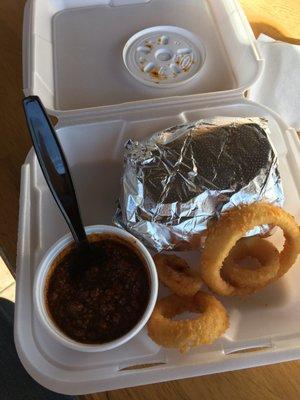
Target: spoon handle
[[54, 165]]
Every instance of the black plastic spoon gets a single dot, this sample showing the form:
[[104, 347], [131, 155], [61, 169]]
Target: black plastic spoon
[[54, 166]]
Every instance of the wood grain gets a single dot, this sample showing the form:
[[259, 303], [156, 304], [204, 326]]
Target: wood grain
[[280, 382], [277, 18], [14, 140]]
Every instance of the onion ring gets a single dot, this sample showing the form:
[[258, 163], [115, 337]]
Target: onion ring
[[231, 227], [254, 247], [175, 273], [210, 324]]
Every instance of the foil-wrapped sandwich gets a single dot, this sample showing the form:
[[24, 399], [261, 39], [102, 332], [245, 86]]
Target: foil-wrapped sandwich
[[175, 183]]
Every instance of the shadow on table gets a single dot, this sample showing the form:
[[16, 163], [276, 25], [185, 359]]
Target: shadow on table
[[16, 384], [261, 27]]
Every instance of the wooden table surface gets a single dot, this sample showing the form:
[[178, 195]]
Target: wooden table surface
[[278, 18]]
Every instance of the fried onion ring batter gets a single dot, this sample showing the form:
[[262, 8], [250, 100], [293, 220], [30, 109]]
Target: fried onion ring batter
[[231, 227], [175, 273], [254, 247], [211, 323]]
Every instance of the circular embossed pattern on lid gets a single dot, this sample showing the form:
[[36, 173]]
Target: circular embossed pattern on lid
[[164, 56]]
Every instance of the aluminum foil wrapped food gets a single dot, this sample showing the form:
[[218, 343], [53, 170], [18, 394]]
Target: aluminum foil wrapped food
[[181, 178]]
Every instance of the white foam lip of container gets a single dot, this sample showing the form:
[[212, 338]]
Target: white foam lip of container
[[42, 273]]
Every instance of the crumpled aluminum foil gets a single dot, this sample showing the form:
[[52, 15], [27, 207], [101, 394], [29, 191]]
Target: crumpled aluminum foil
[[181, 178]]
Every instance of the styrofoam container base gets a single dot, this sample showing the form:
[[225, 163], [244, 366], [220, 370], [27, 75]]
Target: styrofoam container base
[[72, 59], [266, 322]]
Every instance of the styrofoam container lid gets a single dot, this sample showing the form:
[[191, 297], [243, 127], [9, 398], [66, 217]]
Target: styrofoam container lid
[[92, 54]]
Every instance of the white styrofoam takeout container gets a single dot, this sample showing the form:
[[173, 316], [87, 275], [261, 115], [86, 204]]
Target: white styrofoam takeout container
[[73, 61]]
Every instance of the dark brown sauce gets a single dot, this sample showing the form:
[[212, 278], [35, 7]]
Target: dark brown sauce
[[99, 297], [155, 74]]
